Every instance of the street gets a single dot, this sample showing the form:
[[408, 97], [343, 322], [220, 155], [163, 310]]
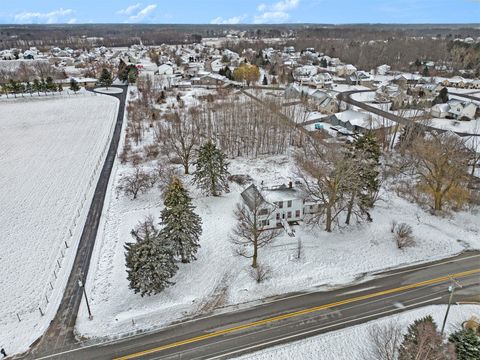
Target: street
[[297, 316]]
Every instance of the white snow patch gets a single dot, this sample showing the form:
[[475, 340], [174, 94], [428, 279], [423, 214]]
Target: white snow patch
[[51, 153]]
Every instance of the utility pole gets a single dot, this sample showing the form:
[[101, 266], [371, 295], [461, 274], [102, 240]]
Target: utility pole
[[80, 283], [451, 290]]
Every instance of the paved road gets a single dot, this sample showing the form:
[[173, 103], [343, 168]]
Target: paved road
[[297, 316], [347, 97], [466, 96], [60, 332]]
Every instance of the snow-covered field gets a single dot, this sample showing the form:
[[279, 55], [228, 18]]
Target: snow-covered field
[[51, 152], [220, 278], [352, 343]]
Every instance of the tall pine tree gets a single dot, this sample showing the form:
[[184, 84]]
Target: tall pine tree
[[105, 78], [467, 344], [149, 267], [211, 170], [366, 152], [182, 227], [150, 261]]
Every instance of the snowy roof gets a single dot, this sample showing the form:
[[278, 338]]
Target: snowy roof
[[251, 195], [284, 193]]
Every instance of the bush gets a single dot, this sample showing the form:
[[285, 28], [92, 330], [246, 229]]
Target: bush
[[151, 151], [260, 273], [403, 235]]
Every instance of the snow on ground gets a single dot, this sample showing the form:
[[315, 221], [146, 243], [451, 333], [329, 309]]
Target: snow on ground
[[110, 90], [471, 127], [351, 343], [51, 151], [346, 87], [364, 96], [220, 277]]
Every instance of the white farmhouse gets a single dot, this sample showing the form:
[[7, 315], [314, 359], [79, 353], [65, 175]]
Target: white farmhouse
[[278, 205]]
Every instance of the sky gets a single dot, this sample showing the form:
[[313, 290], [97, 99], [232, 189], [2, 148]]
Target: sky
[[239, 11]]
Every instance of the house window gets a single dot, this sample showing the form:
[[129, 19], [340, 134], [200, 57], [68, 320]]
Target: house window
[[289, 215], [289, 203], [264, 222], [311, 207], [263, 212], [278, 216], [280, 204], [297, 213]]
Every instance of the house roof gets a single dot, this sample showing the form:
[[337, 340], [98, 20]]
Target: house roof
[[251, 195]]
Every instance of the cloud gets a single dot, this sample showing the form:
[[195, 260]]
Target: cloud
[[142, 14], [232, 20], [129, 9], [72, 21], [285, 5], [51, 17], [275, 13]]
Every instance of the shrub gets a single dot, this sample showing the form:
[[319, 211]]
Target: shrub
[[403, 235]]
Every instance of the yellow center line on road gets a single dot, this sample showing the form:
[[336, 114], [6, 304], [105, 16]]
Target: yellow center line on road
[[298, 313]]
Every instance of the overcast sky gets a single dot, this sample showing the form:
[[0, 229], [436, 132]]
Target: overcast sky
[[239, 11]]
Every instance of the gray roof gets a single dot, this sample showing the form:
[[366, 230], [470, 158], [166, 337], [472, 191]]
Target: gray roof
[[251, 195]]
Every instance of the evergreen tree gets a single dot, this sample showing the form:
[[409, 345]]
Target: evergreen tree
[[132, 76], [442, 97], [467, 344], [265, 81], [211, 170], [366, 152], [150, 261], [49, 84], [105, 78], [28, 87], [423, 341], [149, 267], [182, 227], [36, 86], [43, 86], [74, 85], [426, 72]]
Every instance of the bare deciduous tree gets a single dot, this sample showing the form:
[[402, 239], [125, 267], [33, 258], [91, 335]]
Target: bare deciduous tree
[[331, 174], [441, 165], [248, 232], [136, 182], [383, 342]]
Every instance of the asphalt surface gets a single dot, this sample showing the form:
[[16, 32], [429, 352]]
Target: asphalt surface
[[347, 97], [297, 316], [60, 333]]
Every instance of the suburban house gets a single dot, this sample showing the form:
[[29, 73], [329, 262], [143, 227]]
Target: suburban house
[[358, 122], [346, 70], [390, 93], [329, 105], [462, 110], [360, 78], [277, 205], [440, 110], [164, 69], [322, 80]]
